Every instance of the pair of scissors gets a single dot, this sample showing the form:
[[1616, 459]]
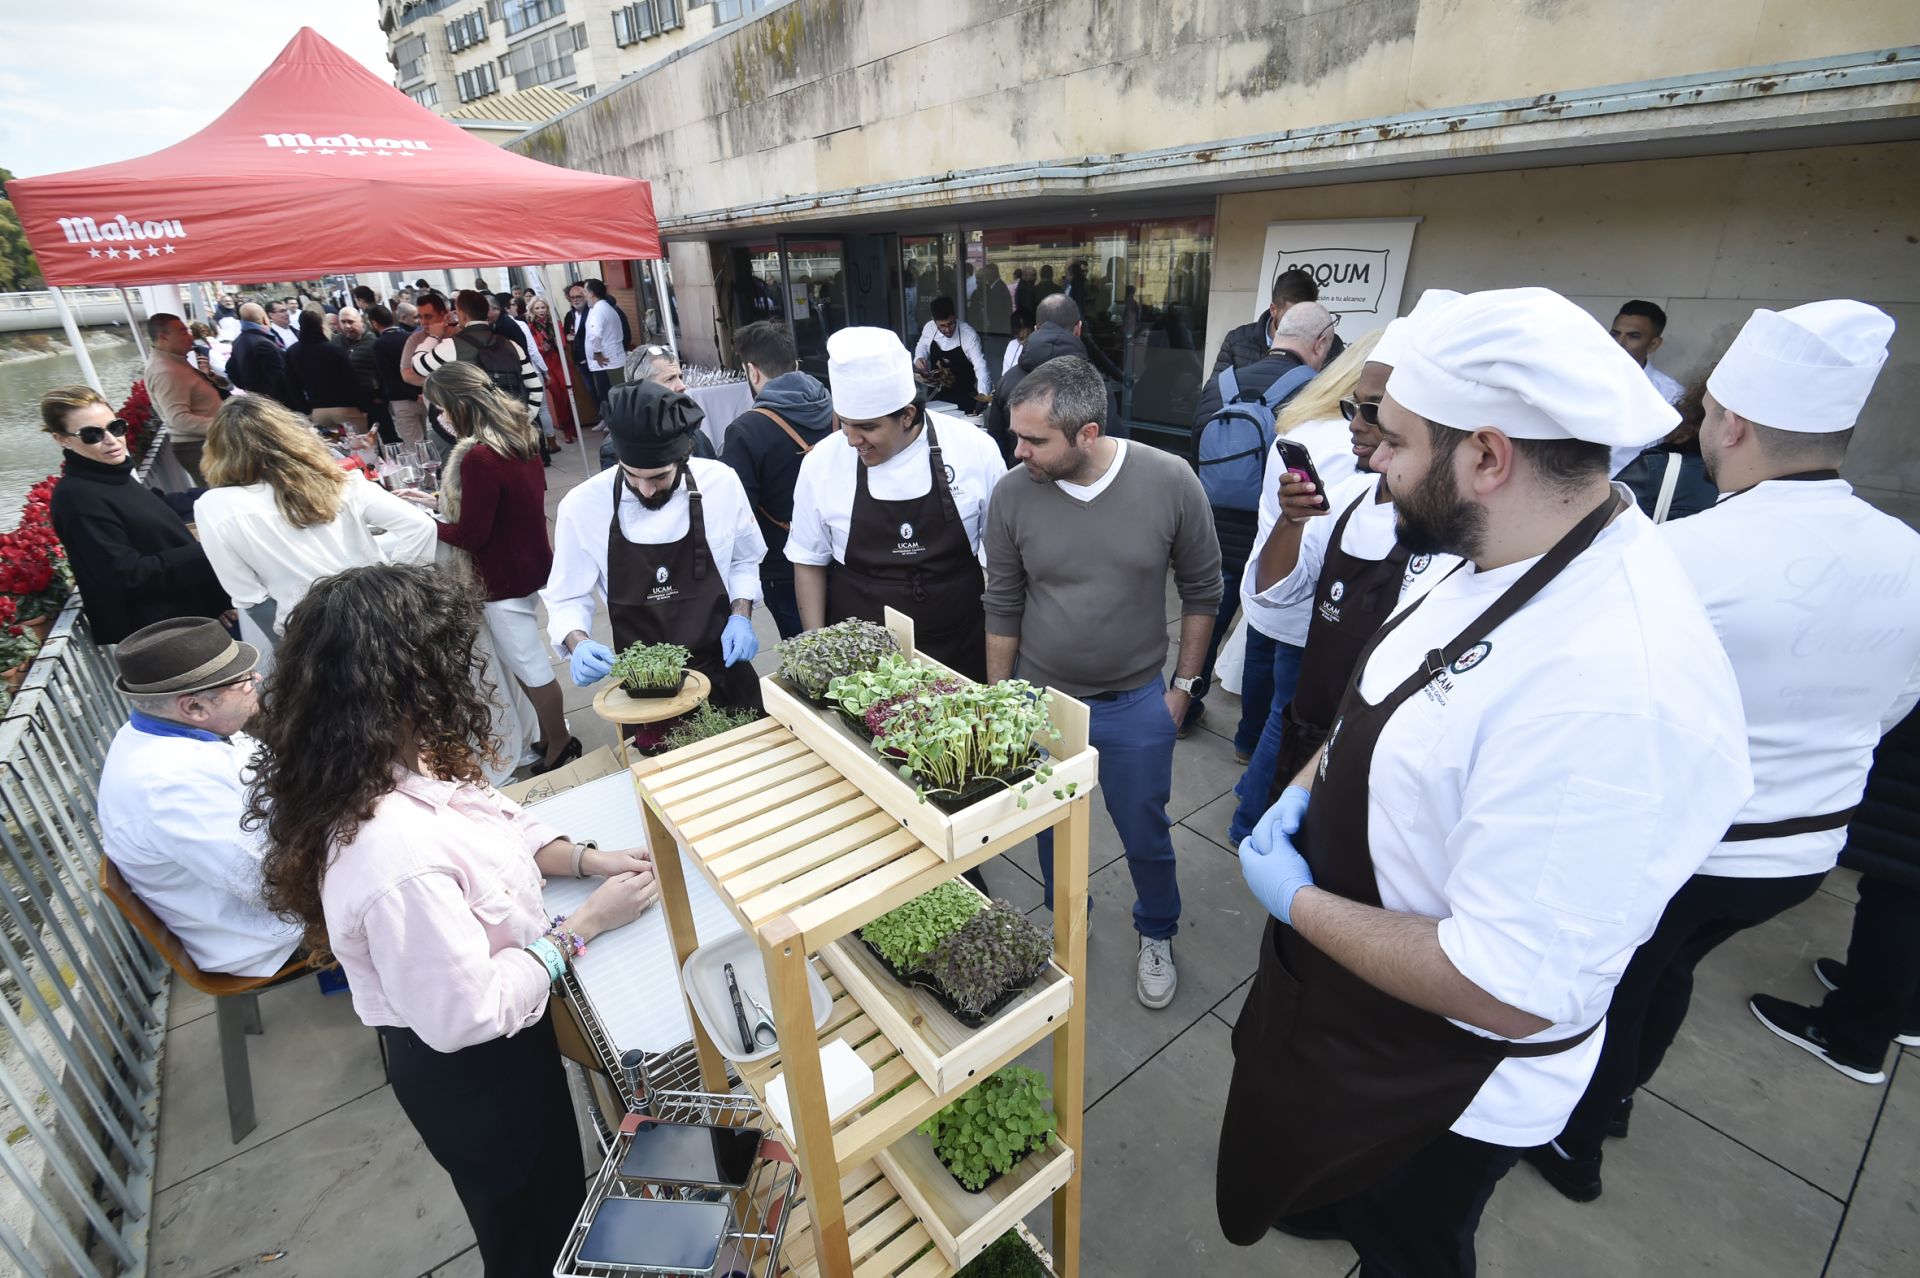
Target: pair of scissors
[[758, 1032], [764, 1033]]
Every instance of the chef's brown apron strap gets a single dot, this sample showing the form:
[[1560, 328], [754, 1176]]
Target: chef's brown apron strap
[[1749, 831]]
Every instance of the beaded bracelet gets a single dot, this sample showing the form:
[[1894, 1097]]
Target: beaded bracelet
[[544, 949], [565, 937]]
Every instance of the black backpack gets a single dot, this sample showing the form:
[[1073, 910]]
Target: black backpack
[[499, 358]]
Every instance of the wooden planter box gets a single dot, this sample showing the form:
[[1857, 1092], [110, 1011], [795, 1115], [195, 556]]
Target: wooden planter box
[[962, 1224], [950, 834]]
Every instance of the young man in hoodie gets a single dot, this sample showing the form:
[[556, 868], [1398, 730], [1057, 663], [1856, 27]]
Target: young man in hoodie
[[1056, 332], [791, 413]]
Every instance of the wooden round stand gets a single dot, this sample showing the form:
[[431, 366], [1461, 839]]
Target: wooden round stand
[[614, 705]]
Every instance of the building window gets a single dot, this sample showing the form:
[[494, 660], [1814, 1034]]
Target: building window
[[467, 30], [410, 58], [633, 23], [668, 12], [478, 83], [725, 11], [521, 14], [541, 60], [427, 95], [579, 30]]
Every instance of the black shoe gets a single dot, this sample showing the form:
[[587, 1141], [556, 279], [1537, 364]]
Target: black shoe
[[1576, 1178], [1832, 973], [567, 756], [1801, 1027], [1617, 1125]]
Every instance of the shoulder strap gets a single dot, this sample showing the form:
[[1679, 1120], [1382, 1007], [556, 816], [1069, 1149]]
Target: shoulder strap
[[781, 422], [1229, 386], [1286, 384], [1669, 484]]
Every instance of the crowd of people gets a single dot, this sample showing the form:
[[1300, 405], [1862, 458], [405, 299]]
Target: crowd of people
[[1521, 741]]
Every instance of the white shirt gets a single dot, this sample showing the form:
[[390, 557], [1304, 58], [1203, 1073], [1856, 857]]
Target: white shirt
[[258, 555], [1670, 390], [823, 493], [1816, 596], [606, 348], [286, 335], [1012, 357], [965, 338], [579, 575], [170, 818], [1546, 801], [1087, 492], [1370, 534], [531, 347], [1330, 444]]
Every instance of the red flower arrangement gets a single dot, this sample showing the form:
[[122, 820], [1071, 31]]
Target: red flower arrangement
[[33, 565], [137, 413]]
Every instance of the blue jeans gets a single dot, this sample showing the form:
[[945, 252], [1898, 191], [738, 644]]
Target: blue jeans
[[780, 601], [1256, 691], [1254, 783], [1134, 735]]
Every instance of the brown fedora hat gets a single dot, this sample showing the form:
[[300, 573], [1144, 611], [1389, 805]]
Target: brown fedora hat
[[179, 655]]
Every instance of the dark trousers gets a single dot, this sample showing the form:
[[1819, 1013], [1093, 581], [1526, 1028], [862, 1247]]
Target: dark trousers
[[601, 380], [1232, 568], [498, 1119], [1880, 996], [1651, 999], [780, 601], [1420, 1219]]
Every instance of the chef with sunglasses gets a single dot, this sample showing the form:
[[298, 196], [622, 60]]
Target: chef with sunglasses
[[133, 559]]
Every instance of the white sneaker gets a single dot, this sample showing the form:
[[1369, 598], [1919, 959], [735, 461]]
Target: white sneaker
[[1157, 978]]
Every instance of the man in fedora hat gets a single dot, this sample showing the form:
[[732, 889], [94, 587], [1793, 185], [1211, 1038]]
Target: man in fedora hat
[[174, 788]]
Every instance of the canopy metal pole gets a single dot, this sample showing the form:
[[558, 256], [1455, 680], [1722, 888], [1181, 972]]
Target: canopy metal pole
[[73, 339], [666, 309], [133, 325], [566, 365]]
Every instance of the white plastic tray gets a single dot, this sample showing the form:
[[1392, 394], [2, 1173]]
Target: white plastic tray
[[704, 977]]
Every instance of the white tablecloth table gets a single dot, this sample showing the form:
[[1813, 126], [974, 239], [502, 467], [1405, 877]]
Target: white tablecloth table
[[721, 404]]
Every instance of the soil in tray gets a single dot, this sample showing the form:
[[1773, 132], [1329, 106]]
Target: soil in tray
[[644, 694], [931, 986], [1031, 1149]]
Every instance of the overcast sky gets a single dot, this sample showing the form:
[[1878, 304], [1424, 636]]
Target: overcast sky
[[85, 82]]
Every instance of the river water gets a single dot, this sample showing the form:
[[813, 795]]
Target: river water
[[28, 454]]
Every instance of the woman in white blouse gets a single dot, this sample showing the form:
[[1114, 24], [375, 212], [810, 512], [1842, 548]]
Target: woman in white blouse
[[282, 512]]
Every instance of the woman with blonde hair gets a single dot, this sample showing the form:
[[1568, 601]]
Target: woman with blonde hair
[[282, 513], [493, 505]]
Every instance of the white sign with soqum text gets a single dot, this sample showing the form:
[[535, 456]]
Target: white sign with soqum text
[[1360, 266]]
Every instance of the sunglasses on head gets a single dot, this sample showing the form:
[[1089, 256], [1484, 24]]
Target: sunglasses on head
[[1368, 410], [91, 435]]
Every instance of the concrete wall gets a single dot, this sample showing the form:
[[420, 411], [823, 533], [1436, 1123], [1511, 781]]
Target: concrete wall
[[1709, 239], [820, 95]]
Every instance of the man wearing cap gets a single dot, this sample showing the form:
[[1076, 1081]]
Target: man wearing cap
[[1816, 597], [174, 789], [899, 511], [669, 541], [1531, 759]]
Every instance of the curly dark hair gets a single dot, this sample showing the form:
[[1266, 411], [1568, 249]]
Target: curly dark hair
[[373, 659]]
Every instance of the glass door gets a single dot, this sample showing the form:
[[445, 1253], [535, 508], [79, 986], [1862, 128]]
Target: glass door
[[927, 265], [815, 295]]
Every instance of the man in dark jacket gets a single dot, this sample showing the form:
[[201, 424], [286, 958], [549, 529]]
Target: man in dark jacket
[[1056, 332], [256, 364], [791, 413], [402, 397], [1250, 343]]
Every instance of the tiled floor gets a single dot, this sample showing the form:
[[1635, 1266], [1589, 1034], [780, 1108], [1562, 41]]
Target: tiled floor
[[1749, 1159]]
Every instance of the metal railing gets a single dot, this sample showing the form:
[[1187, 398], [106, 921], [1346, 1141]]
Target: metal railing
[[83, 999]]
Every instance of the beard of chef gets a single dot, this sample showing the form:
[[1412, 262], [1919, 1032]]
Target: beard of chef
[[662, 497], [1432, 516]]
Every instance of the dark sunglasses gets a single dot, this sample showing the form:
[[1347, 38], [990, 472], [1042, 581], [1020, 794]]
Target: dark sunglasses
[[91, 435], [1367, 410]]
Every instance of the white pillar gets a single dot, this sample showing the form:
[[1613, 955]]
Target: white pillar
[[666, 308], [73, 339]]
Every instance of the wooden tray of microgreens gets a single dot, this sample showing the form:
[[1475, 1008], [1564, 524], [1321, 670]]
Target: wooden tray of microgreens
[[960, 742]]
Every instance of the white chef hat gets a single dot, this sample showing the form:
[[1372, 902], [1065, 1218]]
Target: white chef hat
[[1396, 335], [1530, 364], [871, 373], [1805, 369]]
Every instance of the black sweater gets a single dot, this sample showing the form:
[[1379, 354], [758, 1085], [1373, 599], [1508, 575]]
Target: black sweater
[[323, 377], [133, 560]]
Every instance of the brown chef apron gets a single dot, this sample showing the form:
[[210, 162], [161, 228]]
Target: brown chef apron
[[1335, 1082]]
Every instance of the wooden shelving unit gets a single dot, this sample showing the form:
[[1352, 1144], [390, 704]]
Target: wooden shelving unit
[[803, 857]]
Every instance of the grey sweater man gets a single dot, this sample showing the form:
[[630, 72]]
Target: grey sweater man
[[1082, 584]]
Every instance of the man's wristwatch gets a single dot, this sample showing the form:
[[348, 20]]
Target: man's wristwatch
[[1189, 685]]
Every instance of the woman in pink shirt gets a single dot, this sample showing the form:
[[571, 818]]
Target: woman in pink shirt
[[424, 882]]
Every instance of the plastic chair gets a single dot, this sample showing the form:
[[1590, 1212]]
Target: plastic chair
[[236, 998]]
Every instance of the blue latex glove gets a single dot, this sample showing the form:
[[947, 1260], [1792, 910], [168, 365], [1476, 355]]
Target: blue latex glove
[[737, 642], [1274, 871], [590, 663]]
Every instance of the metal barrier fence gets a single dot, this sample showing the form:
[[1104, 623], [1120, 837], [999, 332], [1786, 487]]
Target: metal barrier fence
[[83, 999]]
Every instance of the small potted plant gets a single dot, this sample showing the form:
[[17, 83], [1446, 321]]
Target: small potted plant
[[956, 748], [708, 720], [986, 1133], [812, 661], [1008, 1256], [905, 936], [987, 962], [652, 669], [868, 698]]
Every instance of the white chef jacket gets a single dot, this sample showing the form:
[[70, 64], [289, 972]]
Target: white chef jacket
[[1370, 534], [1670, 390], [170, 811], [1330, 444], [1816, 596], [823, 493], [1012, 357], [606, 347], [579, 575], [258, 555], [966, 339], [1545, 801]]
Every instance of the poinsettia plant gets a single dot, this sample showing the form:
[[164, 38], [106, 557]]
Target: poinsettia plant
[[17, 643], [33, 565], [137, 413]]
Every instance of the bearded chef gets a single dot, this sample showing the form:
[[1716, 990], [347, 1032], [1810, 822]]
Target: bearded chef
[[1530, 759], [1816, 597], [898, 511], [669, 541]]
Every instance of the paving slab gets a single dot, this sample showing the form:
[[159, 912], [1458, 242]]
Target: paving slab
[[350, 1193], [1726, 1069], [465, 1265], [1680, 1199], [314, 1056], [1844, 884], [185, 1003], [1881, 1234]]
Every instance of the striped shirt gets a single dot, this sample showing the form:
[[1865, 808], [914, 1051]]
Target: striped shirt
[[432, 355]]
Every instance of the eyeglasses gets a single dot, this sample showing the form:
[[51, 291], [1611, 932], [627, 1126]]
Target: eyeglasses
[[1331, 325], [244, 683], [1367, 410], [91, 435]]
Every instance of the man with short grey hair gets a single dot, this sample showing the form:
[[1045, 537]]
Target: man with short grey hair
[[659, 365], [1080, 540]]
